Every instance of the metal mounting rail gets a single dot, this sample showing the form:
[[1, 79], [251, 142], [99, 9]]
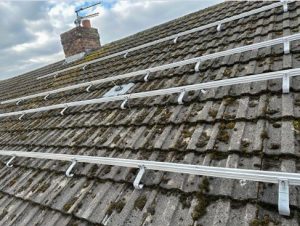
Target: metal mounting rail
[[284, 179], [197, 60], [174, 37], [284, 75]]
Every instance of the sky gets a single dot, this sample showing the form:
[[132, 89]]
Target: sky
[[30, 30]]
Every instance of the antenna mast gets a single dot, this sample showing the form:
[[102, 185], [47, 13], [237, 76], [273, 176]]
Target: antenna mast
[[80, 18]]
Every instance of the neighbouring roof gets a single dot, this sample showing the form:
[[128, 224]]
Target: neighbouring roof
[[249, 126]]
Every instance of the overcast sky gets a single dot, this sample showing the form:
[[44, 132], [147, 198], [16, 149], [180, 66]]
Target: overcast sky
[[29, 30]]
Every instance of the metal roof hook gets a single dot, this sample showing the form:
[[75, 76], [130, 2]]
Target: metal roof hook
[[84, 67], [243, 183], [19, 101], [137, 182], [285, 5], [175, 40], [219, 27], [125, 55], [180, 97], [123, 105], [286, 83], [197, 66], [203, 91], [286, 46], [55, 75], [68, 172], [46, 97], [63, 110], [283, 197], [146, 78], [20, 118], [8, 164], [88, 88]]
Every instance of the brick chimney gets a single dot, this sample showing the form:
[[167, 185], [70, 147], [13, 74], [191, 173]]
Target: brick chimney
[[80, 40]]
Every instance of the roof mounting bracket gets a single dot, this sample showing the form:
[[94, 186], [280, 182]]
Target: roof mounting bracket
[[285, 83], [63, 110], [175, 40], [45, 98], [285, 5], [8, 164], [123, 105], [180, 98], [286, 46], [20, 118], [219, 27], [55, 75], [136, 183], [243, 183], [83, 68], [203, 91], [19, 101], [125, 55], [283, 197], [88, 88], [68, 172], [146, 78], [197, 66]]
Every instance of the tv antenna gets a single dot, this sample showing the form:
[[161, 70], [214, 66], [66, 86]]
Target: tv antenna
[[80, 18]]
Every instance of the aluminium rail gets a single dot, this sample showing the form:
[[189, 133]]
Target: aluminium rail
[[284, 75], [175, 37], [285, 40], [284, 179]]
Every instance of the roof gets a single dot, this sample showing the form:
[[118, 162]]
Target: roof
[[249, 126]]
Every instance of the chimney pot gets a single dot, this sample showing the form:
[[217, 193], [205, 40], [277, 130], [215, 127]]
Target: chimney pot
[[86, 23]]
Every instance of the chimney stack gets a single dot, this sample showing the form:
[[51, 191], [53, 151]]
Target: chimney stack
[[80, 40]]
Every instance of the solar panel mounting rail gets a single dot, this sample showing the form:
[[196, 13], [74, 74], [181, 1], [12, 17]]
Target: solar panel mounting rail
[[285, 75], [283, 179], [286, 40], [217, 24]]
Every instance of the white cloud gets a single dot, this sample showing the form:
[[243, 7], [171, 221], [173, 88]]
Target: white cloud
[[30, 32]]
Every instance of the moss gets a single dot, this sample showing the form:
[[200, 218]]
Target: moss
[[227, 72], [116, 206], [185, 200], [151, 210], [203, 140], [229, 101], [297, 102], [186, 133], [202, 202], [44, 187], [165, 115], [271, 111], [264, 135], [276, 125], [275, 146], [229, 125], [140, 202], [69, 204], [296, 124], [245, 143], [213, 113], [116, 139], [204, 187], [200, 208], [266, 221], [223, 136]]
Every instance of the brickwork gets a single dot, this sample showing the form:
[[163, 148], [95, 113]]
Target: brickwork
[[80, 39]]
